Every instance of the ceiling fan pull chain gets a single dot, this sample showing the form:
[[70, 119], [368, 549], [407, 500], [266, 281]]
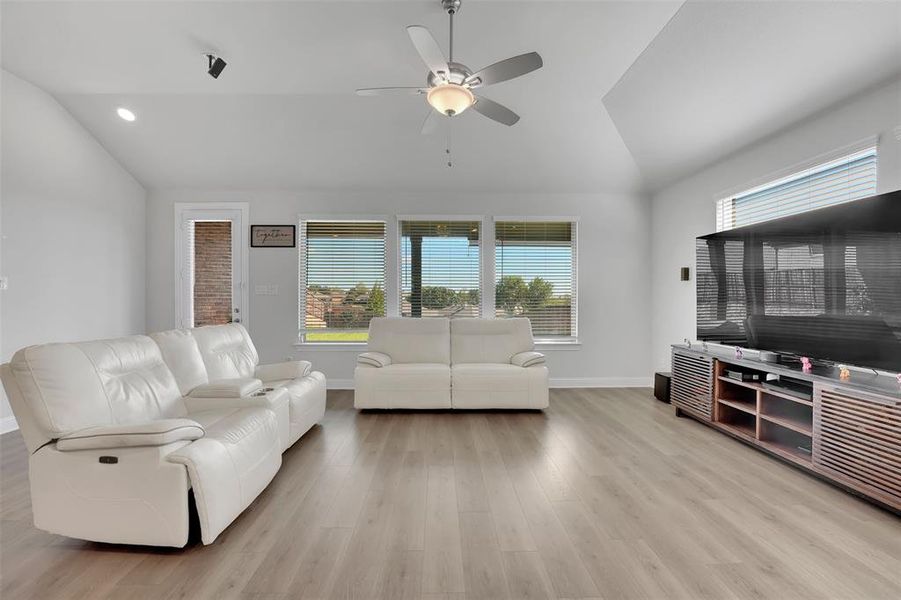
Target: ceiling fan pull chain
[[447, 150]]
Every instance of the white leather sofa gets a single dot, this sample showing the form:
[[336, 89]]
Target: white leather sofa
[[458, 363], [117, 440], [210, 361]]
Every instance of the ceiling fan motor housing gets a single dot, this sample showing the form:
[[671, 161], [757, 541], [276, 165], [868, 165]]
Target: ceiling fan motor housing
[[458, 73]]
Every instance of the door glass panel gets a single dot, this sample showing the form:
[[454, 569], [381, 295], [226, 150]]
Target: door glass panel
[[213, 269]]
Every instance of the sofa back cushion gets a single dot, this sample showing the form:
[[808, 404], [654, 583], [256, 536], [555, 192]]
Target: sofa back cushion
[[71, 386], [182, 355], [408, 340], [226, 350], [489, 340]]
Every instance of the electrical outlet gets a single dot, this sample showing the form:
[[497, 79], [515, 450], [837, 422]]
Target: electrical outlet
[[4, 283]]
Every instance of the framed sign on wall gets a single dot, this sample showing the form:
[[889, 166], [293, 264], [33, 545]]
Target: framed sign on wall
[[273, 236]]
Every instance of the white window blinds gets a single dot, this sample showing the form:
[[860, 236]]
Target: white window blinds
[[439, 268], [535, 275], [845, 179], [342, 279]]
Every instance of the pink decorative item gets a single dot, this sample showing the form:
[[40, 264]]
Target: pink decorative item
[[898, 377], [844, 373], [805, 364], [738, 353]]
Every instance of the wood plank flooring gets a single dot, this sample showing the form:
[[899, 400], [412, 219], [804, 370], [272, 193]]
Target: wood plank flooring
[[604, 495]]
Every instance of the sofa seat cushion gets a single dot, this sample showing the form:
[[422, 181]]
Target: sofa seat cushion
[[231, 464], [496, 385], [409, 385], [489, 376], [412, 376]]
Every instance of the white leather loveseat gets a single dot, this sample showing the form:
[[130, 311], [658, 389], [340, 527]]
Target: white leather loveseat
[[458, 363], [117, 441]]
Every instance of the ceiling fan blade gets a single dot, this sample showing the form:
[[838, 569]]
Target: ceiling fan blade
[[494, 111], [506, 69], [428, 49], [391, 91], [432, 120]]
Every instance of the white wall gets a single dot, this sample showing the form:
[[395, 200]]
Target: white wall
[[614, 281], [72, 229], [685, 210]]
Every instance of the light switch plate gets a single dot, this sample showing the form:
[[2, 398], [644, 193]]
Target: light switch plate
[[4, 283], [266, 290]]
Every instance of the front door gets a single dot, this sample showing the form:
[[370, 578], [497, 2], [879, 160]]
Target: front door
[[210, 269]]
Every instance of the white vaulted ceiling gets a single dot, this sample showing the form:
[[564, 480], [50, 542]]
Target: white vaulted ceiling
[[283, 113], [722, 75], [633, 94]]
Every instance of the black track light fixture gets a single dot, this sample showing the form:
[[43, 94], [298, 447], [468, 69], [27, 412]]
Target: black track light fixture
[[215, 65]]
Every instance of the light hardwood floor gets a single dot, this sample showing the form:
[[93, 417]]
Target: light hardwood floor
[[604, 495]]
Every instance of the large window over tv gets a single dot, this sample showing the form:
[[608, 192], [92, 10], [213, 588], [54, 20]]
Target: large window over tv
[[535, 275], [439, 268], [342, 279], [835, 181]]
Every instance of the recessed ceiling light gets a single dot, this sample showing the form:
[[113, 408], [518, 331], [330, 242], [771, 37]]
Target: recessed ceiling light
[[125, 114]]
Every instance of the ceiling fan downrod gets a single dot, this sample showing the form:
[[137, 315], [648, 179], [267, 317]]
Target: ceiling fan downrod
[[451, 6]]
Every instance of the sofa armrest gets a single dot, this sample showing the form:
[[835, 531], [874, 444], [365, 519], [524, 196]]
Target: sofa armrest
[[266, 397], [292, 369], [527, 359], [227, 388], [152, 433], [374, 359]]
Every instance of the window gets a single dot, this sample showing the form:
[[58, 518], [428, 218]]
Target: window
[[535, 275], [439, 268], [845, 179], [342, 279]]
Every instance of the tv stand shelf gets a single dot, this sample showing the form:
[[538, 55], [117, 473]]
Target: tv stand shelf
[[848, 434], [778, 422]]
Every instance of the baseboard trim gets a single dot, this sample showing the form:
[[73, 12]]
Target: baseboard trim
[[8, 424], [339, 384], [600, 382], [555, 382]]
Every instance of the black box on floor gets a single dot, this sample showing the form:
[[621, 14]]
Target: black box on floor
[[661, 386]]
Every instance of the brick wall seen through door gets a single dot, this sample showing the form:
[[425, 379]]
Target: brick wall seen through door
[[212, 273]]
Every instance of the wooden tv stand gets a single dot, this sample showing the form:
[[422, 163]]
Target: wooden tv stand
[[848, 433]]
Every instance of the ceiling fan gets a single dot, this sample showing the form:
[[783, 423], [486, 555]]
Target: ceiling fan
[[451, 84]]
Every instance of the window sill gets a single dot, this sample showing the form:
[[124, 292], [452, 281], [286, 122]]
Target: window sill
[[558, 344], [361, 346], [331, 346]]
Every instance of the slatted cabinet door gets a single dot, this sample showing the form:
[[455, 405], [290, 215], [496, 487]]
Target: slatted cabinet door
[[858, 437], [692, 384]]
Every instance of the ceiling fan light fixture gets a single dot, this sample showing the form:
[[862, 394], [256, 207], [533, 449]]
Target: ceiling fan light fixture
[[450, 98]]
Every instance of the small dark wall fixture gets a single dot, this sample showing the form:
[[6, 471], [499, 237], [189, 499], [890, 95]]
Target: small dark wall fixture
[[273, 236], [684, 274]]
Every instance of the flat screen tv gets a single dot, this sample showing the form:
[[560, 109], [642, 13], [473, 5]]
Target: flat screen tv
[[824, 284]]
